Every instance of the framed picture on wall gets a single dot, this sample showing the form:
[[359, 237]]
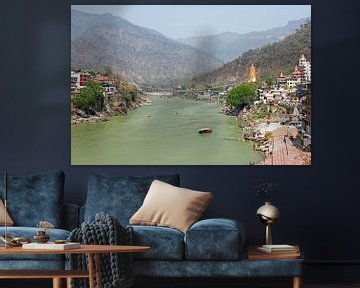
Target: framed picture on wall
[[191, 85]]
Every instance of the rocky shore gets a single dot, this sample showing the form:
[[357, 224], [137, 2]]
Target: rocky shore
[[111, 108]]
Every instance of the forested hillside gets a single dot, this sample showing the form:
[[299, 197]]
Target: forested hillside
[[269, 60], [137, 53], [230, 45]]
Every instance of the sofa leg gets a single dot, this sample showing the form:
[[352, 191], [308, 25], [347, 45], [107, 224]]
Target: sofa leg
[[68, 282], [297, 282], [57, 283]]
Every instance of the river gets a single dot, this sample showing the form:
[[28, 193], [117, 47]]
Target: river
[[164, 133]]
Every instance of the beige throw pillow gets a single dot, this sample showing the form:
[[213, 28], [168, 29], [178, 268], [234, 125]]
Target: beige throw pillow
[[170, 206], [9, 221]]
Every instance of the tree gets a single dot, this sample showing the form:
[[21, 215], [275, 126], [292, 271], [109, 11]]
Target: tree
[[108, 71], [88, 71], [241, 95], [200, 87], [267, 78], [90, 98], [128, 91]]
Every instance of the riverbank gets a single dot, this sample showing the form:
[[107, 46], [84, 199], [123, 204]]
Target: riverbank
[[279, 143], [112, 108]]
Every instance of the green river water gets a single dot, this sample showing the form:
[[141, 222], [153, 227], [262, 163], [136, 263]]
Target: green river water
[[164, 133]]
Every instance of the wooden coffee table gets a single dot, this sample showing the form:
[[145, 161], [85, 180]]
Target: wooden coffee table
[[92, 251]]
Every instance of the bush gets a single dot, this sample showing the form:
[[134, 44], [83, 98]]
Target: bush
[[90, 98], [128, 91], [241, 96]]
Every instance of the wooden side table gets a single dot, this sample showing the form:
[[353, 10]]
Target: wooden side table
[[254, 254], [93, 251]]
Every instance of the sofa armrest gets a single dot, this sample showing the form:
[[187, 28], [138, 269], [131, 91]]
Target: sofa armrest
[[71, 216], [215, 239]]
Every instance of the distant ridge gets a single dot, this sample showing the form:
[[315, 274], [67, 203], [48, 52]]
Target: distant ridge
[[230, 45], [137, 53], [269, 60]]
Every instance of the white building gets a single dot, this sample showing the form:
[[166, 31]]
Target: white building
[[273, 96], [79, 79], [292, 83], [305, 66]]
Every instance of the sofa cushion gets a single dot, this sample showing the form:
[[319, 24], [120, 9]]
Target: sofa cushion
[[29, 232], [35, 198], [170, 206], [214, 239], [120, 196], [9, 221], [165, 243]]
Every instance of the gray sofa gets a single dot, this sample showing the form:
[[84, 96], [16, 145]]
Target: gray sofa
[[210, 248], [32, 199]]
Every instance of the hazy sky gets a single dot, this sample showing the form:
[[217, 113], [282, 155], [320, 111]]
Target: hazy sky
[[192, 20]]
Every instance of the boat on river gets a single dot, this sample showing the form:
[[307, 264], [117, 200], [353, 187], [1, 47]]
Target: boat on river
[[205, 130]]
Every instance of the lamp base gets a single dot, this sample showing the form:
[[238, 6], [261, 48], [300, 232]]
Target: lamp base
[[268, 237]]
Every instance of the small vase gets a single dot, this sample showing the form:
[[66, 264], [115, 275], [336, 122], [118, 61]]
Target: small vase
[[41, 237]]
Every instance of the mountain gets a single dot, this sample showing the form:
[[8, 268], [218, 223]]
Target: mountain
[[229, 45], [269, 60], [137, 53]]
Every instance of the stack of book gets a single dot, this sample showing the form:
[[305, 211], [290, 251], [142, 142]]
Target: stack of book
[[279, 249], [51, 246]]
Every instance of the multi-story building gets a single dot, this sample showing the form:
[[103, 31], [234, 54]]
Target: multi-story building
[[300, 75], [306, 109], [305, 67], [108, 85], [271, 96], [79, 79], [292, 82], [281, 80], [302, 71]]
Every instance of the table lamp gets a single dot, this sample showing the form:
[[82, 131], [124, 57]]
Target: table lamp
[[268, 214]]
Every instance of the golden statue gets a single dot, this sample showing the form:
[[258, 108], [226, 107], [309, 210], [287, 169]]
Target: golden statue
[[252, 74]]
